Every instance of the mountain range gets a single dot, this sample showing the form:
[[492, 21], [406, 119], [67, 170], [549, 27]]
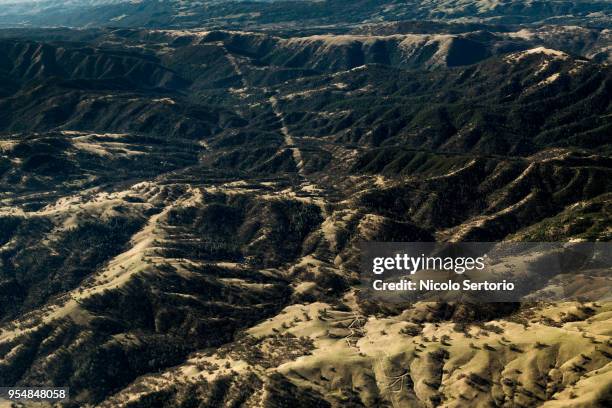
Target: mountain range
[[184, 187]]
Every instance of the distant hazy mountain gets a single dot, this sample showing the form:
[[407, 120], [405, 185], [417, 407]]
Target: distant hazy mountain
[[298, 13]]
